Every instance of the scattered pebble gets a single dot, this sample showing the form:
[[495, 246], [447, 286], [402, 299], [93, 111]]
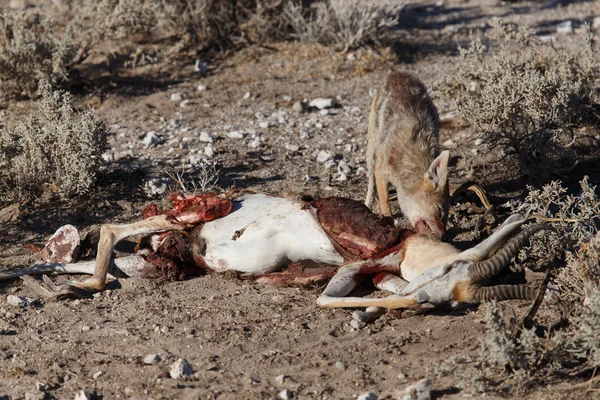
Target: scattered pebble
[[40, 387], [19, 301], [448, 143], [341, 365], [206, 137], [285, 394], [324, 156], [176, 96], [357, 324], [372, 395], [97, 375], [185, 103], [418, 391], [235, 135], [356, 110], [478, 142], [287, 98], [291, 147], [565, 27], [300, 106], [247, 95], [372, 92], [209, 151], [151, 359], [180, 369], [361, 171], [330, 164], [152, 139], [596, 22], [174, 123], [322, 103], [343, 167], [264, 124], [324, 112], [255, 143], [351, 57], [402, 377], [451, 28], [108, 157], [280, 379], [202, 88], [195, 159]]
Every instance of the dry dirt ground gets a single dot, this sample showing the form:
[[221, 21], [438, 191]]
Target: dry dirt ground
[[246, 341]]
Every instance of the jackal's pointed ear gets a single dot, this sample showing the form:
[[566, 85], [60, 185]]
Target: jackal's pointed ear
[[437, 173]]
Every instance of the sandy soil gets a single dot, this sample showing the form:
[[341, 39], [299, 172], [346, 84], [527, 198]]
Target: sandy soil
[[247, 341]]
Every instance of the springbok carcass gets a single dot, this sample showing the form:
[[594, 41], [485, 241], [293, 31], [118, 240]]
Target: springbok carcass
[[259, 235]]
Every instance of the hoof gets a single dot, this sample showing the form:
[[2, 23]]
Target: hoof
[[91, 285]]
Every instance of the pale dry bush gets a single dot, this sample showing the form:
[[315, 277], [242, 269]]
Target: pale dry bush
[[54, 145], [344, 24], [33, 47], [202, 178], [526, 97]]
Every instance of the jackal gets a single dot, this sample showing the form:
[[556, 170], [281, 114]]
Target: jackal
[[403, 149]]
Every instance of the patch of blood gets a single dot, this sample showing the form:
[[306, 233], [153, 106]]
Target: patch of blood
[[296, 274], [192, 209]]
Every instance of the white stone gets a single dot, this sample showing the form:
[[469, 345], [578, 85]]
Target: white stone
[[478, 142], [372, 92], [291, 147], [40, 387], [322, 103], [361, 171], [329, 164], [285, 394], [195, 159], [180, 369], [82, 395], [152, 139], [351, 57], [280, 379], [176, 96], [299, 106], [355, 110], [565, 27], [151, 359], [372, 395], [185, 103], [448, 143], [264, 124], [255, 143], [247, 95], [18, 301], [324, 112], [341, 177], [451, 28], [596, 22], [418, 391], [287, 98], [357, 324], [343, 167], [206, 137], [97, 375], [235, 135], [341, 365], [324, 156], [202, 88], [108, 157], [155, 188], [209, 151]]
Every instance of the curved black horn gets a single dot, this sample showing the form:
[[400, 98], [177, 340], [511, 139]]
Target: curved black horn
[[482, 270], [505, 292]]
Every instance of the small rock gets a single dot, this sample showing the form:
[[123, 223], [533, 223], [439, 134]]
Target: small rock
[[128, 391], [280, 379], [330, 164], [255, 143], [322, 103], [341, 365], [201, 67], [108, 156], [176, 96], [324, 156], [206, 137], [596, 22], [341, 177], [355, 110], [152, 139], [565, 27], [451, 28], [418, 391], [373, 92], [97, 375], [402, 377], [287, 98], [195, 159], [343, 167], [285, 394], [361, 171], [185, 103], [40, 387], [448, 143], [63, 246], [247, 95], [151, 359], [300, 106], [18, 301], [202, 88], [86, 328], [4, 355], [264, 124], [155, 187], [323, 112], [18, 4], [478, 142], [474, 86], [209, 151], [547, 38], [174, 123], [235, 135], [181, 369], [291, 147], [372, 395], [357, 324], [351, 57]]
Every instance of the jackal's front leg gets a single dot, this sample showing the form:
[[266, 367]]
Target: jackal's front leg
[[110, 235]]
